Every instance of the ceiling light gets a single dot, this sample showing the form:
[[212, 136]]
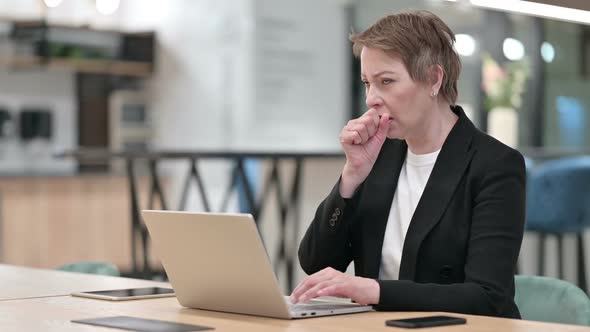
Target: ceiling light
[[513, 49], [465, 44], [107, 7], [547, 52], [52, 3], [536, 9]]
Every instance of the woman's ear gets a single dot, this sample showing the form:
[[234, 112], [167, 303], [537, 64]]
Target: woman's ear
[[436, 77]]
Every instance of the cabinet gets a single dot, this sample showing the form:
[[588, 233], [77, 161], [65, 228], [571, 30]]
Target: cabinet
[[49, 221]]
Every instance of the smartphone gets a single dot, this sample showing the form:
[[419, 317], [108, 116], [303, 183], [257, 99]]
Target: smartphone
[[425, 321], [128, 293]]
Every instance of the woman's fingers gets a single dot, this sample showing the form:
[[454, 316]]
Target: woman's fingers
[[359, 131], [362, 130], [312, 292], [350, 137], [312, 281], [330, 282]]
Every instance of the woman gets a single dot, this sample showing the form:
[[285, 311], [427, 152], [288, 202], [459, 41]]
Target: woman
[[430, 209]]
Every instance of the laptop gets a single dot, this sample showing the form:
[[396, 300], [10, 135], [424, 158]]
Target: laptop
[[216, 261]]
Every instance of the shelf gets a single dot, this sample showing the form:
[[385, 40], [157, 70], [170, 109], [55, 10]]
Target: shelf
[[110, 67], [43, 45]]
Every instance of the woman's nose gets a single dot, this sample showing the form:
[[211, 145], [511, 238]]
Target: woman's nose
[[373, 99]]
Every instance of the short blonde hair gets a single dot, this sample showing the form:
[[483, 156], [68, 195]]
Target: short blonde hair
[[420, 39]]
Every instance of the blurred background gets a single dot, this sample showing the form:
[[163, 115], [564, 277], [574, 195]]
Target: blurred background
[[111, 106]]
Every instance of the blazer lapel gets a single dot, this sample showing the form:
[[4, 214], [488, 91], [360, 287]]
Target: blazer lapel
[[450, 166], [383, 182]]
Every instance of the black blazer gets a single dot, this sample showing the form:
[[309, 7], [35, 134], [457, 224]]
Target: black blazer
[[462, 244]]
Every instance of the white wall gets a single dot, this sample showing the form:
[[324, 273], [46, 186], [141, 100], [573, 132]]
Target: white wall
[[53, 91], [188, 89], [79, 12], [20, 9], [300, 78], [218, 65], [202, 59]]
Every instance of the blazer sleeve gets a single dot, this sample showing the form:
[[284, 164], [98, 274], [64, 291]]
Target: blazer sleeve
[[327, 240], [496, 233]]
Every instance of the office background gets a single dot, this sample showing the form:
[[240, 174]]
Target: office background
[[235, 76]]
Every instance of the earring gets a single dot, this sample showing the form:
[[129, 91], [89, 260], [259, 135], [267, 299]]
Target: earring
[[433, 94]]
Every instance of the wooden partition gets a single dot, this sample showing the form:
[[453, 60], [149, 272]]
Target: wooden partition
[[48, 221]]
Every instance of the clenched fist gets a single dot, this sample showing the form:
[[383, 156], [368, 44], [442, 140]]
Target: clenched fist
[[361, 140]]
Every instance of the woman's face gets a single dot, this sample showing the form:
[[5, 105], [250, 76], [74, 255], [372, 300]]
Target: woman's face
[[391, 92]]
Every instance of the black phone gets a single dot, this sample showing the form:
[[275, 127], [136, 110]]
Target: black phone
[[428, 321]]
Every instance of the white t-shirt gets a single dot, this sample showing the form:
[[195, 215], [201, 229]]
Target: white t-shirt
[[410, 186]]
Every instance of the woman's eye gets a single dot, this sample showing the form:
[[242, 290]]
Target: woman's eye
[[365, 83], [386, 81]]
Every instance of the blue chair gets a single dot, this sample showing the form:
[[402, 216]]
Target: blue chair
[[551, 300], [558, 202], [100, 268], [252, 168], [529, 165]]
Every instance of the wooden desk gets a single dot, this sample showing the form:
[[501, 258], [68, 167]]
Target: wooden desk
[[55, 314], [18, 282]]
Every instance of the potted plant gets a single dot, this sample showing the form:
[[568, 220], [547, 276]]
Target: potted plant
[[503, 87]]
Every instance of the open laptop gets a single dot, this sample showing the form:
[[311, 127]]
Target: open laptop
[[218, 262]]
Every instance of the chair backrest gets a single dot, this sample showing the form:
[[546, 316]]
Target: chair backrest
[[529, 164], [551, 300], [100, 268], [558, 198]]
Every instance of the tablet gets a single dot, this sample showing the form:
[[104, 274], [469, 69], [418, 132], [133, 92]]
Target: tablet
[[128, 294], [141, 324]]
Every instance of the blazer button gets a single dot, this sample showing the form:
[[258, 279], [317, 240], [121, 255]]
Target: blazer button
[[337, 211], [332, 221]]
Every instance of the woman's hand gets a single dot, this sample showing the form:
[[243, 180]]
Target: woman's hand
[[331, 282], [361, 140]]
